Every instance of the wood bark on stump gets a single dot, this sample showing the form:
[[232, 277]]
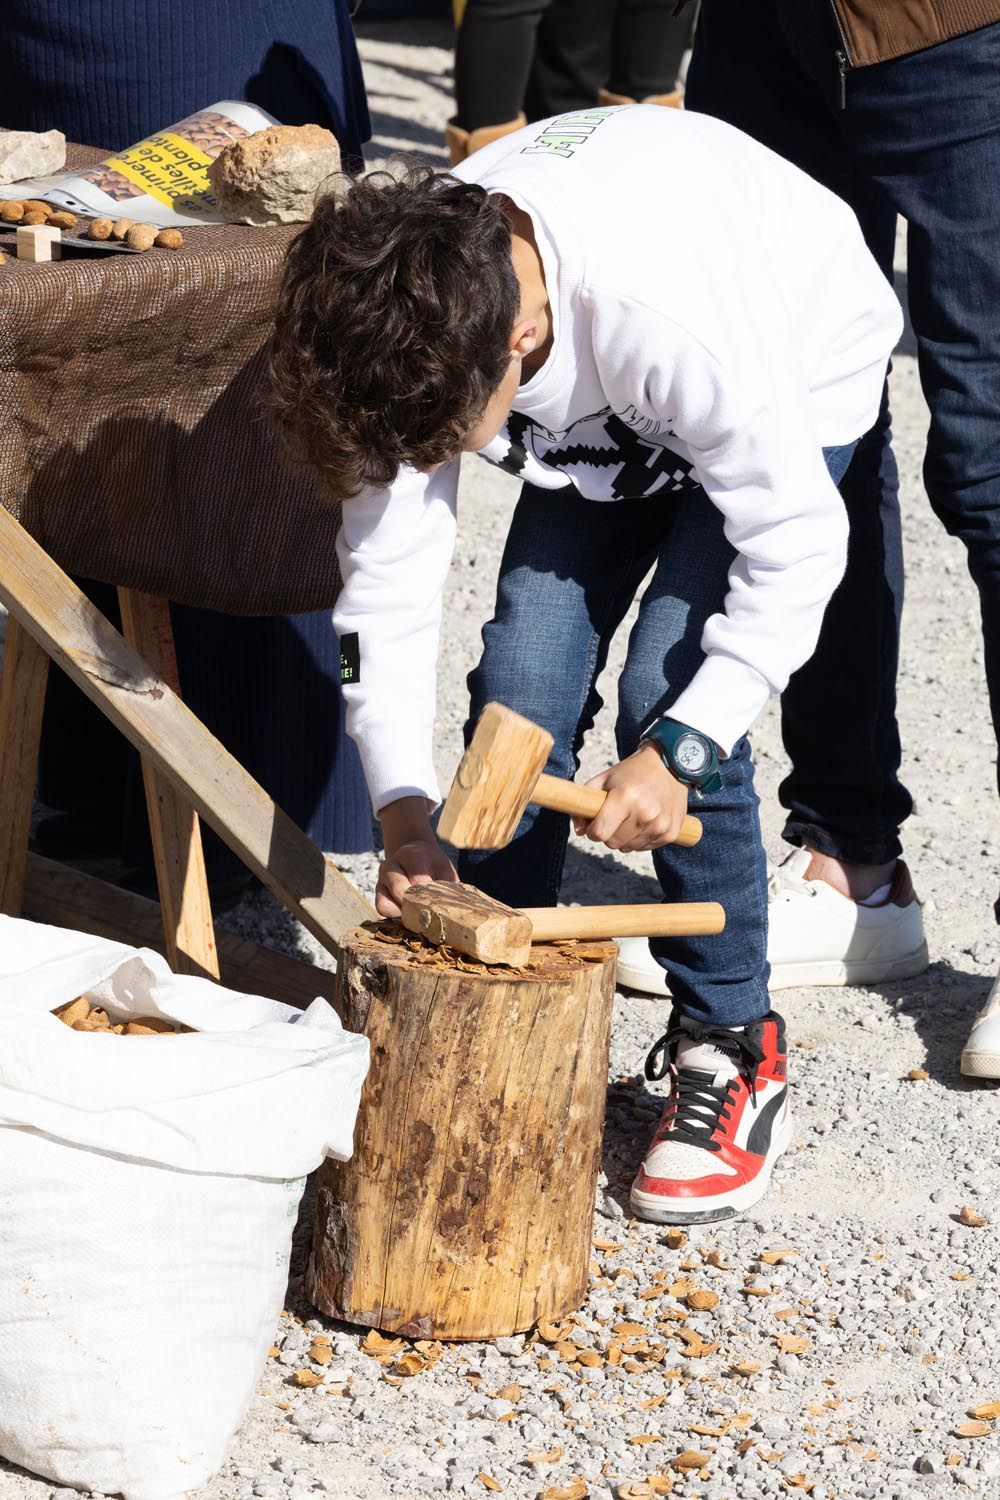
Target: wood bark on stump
[[466, 1211]]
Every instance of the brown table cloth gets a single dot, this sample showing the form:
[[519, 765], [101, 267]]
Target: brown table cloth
[[131, 441]]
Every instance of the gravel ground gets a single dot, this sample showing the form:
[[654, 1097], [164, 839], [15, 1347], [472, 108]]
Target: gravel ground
[[847, 1364]]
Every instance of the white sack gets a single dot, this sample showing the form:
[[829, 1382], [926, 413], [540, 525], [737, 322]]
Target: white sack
[[148, 1191]]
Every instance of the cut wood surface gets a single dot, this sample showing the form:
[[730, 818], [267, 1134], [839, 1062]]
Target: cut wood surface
[[501, 772], [466, 1211], [78, 637], [188, 928], [64, 897], [461, 917], [22, 699]]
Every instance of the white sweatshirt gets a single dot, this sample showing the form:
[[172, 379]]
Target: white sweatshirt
[[717, 321]]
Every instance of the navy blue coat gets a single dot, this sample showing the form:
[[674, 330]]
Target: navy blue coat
[[109, 72]]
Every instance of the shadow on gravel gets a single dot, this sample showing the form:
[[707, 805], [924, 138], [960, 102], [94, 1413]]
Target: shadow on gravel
[[398, 124], [602, 880], [632, 1114], [943, 1004]]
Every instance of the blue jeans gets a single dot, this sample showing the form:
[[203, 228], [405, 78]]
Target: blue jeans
[[917, 136], [570, 570]]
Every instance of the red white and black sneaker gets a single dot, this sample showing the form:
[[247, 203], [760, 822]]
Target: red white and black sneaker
[[725, 1124]]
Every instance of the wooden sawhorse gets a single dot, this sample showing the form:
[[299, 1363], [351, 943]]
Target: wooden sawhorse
[[187, 773]]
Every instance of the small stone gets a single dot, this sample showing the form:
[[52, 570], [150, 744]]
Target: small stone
[[30, 153], [275, 175], [607, 1207], [324, 1432]]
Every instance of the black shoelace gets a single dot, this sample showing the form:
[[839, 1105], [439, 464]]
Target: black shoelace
[[700, 1105]]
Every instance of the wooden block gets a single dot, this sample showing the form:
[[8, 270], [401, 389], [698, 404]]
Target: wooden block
[[461, 917], [494, 780], [39, 242], [466, 1211]]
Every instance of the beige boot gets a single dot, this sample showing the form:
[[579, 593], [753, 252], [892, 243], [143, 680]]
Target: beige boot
[[461, 143], [675, 100]]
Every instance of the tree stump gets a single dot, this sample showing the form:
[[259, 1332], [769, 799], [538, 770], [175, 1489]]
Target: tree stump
[[466, 1211]]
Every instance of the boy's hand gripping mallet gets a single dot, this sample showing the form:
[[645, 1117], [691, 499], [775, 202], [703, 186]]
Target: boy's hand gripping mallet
[[501, 773]]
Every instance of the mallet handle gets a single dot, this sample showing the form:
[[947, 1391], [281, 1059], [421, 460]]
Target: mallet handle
[[586, 802], [651, 919]]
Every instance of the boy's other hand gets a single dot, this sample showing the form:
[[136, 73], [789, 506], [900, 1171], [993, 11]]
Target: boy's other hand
[[413, 855], [645, 804], [416, 863]]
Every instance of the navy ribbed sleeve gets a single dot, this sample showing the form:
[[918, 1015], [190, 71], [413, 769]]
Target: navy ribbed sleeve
[[108, 72]]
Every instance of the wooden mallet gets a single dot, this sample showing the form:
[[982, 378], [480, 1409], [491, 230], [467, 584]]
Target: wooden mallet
[[501, 773], [460, 917]]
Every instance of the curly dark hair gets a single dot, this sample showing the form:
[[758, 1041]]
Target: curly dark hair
[[393, 326]]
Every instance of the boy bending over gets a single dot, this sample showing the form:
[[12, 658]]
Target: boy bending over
[[674, 338]]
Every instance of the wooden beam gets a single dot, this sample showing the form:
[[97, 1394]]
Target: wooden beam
[[78, 637], [64, 897], [178, 857], [22, 699]]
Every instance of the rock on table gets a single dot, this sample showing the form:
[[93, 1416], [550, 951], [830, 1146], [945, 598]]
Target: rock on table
[[29, 153]]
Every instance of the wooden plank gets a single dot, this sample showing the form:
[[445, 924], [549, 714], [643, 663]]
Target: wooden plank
[[157, 722], [64, 897], [178, 857], [22, 699]]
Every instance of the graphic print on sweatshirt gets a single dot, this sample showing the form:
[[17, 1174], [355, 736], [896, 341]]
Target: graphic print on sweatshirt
[[604, 455]]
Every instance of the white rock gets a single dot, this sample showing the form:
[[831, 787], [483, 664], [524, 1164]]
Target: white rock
[[30, 153]]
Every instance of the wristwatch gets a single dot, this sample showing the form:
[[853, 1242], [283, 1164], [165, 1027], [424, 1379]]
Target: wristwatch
[[689, 755]]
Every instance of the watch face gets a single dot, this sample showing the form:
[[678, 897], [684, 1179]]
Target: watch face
[[691, 754]]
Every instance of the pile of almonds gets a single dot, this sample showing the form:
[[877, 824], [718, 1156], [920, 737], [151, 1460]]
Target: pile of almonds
[[138, 236], [80, 1015]]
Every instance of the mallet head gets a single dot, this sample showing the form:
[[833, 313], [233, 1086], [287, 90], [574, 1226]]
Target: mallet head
[[462, 917], [494, 780]]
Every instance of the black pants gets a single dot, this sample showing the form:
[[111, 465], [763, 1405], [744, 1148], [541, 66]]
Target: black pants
[[918, 136], [550, 56]]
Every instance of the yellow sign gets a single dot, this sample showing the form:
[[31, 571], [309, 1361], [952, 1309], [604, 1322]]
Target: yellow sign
[[168, 168]]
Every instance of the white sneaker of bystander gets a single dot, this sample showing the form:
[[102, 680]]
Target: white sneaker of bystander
[[816, 936], [981, 1053]]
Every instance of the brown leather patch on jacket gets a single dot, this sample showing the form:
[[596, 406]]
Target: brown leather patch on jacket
[[877, 30]]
